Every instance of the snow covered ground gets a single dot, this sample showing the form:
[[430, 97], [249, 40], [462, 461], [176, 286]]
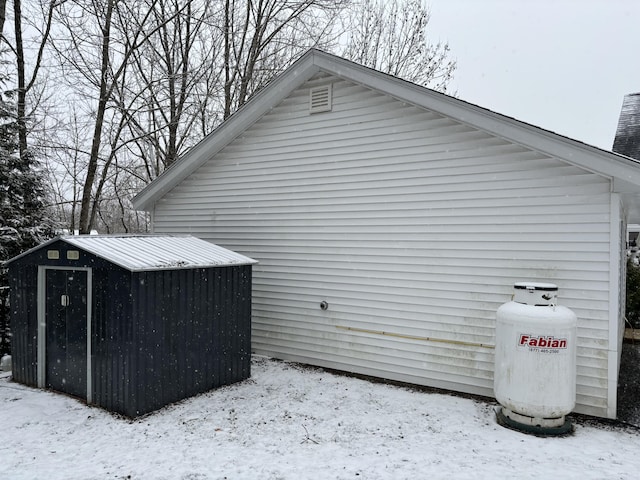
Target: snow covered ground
[[291, 422]]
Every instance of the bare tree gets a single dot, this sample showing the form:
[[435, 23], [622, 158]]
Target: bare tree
[[24, 85], [37, 20], [3, 16], [392, 37], [147, 79], [65, 152], [262, 37], [167, 77], [205, 62], [101, 37]]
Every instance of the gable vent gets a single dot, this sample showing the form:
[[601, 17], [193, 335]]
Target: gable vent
[[320, 99]]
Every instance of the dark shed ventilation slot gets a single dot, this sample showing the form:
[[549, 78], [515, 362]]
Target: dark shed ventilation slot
[[320, 99]]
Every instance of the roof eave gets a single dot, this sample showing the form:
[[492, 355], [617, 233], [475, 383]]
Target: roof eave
[[602, 162]]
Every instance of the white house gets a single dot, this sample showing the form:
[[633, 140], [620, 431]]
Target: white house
[[391, 221]]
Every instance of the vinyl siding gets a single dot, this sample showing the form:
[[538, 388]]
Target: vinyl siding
[[413, 227]]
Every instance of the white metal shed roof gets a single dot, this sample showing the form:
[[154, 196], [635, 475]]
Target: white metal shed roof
[[157, 252]]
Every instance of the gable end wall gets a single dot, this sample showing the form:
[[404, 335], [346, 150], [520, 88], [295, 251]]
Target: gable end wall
[[411, 227]]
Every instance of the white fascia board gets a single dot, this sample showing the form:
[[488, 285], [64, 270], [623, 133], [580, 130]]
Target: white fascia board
[[604, 163], [240, 121]]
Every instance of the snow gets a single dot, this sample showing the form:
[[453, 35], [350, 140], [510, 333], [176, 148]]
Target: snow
[[293, 422]]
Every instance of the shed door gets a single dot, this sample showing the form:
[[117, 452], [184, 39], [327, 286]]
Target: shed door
[[66, 331]]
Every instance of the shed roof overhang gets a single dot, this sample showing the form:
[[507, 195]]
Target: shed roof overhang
[[624, 172]]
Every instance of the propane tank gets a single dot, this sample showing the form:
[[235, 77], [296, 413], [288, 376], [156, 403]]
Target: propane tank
[[535, 360]]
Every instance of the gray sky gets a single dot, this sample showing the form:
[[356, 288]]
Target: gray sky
[[563, 65]]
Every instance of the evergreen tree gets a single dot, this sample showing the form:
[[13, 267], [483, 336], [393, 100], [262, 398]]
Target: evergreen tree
[[23, 218], [633, 294]]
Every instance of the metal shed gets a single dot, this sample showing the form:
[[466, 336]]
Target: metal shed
[[130, 323]]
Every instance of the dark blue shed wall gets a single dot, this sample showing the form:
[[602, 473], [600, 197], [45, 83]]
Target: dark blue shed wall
[[195, 336], [113, 338], [23, 285]]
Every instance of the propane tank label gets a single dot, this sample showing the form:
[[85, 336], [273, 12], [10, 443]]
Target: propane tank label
[[542, 344]]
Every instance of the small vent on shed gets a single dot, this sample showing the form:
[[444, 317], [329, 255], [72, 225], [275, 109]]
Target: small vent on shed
[[320, 99]]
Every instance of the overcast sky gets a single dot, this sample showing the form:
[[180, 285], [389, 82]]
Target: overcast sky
[[563, 65]]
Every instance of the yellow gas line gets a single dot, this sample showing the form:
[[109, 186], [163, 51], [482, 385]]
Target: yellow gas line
[[413, 337]]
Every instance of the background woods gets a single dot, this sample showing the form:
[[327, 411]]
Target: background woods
[[107, 93], [99, 97]]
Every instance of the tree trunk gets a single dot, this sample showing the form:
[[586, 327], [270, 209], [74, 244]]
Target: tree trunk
[[85, 205], [3, 15], [22, 87]]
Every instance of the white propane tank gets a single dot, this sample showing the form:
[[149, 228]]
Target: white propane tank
[[535, 360]]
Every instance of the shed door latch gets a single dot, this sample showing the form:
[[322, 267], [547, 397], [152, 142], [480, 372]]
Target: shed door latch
[[64, 300]]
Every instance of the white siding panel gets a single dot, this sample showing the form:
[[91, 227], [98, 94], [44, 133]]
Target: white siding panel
[[412, 227]]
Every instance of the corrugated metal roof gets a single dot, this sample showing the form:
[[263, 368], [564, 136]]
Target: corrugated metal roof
[[157, 252]]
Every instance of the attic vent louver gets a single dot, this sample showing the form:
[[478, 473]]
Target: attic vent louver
[[320, 99]]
